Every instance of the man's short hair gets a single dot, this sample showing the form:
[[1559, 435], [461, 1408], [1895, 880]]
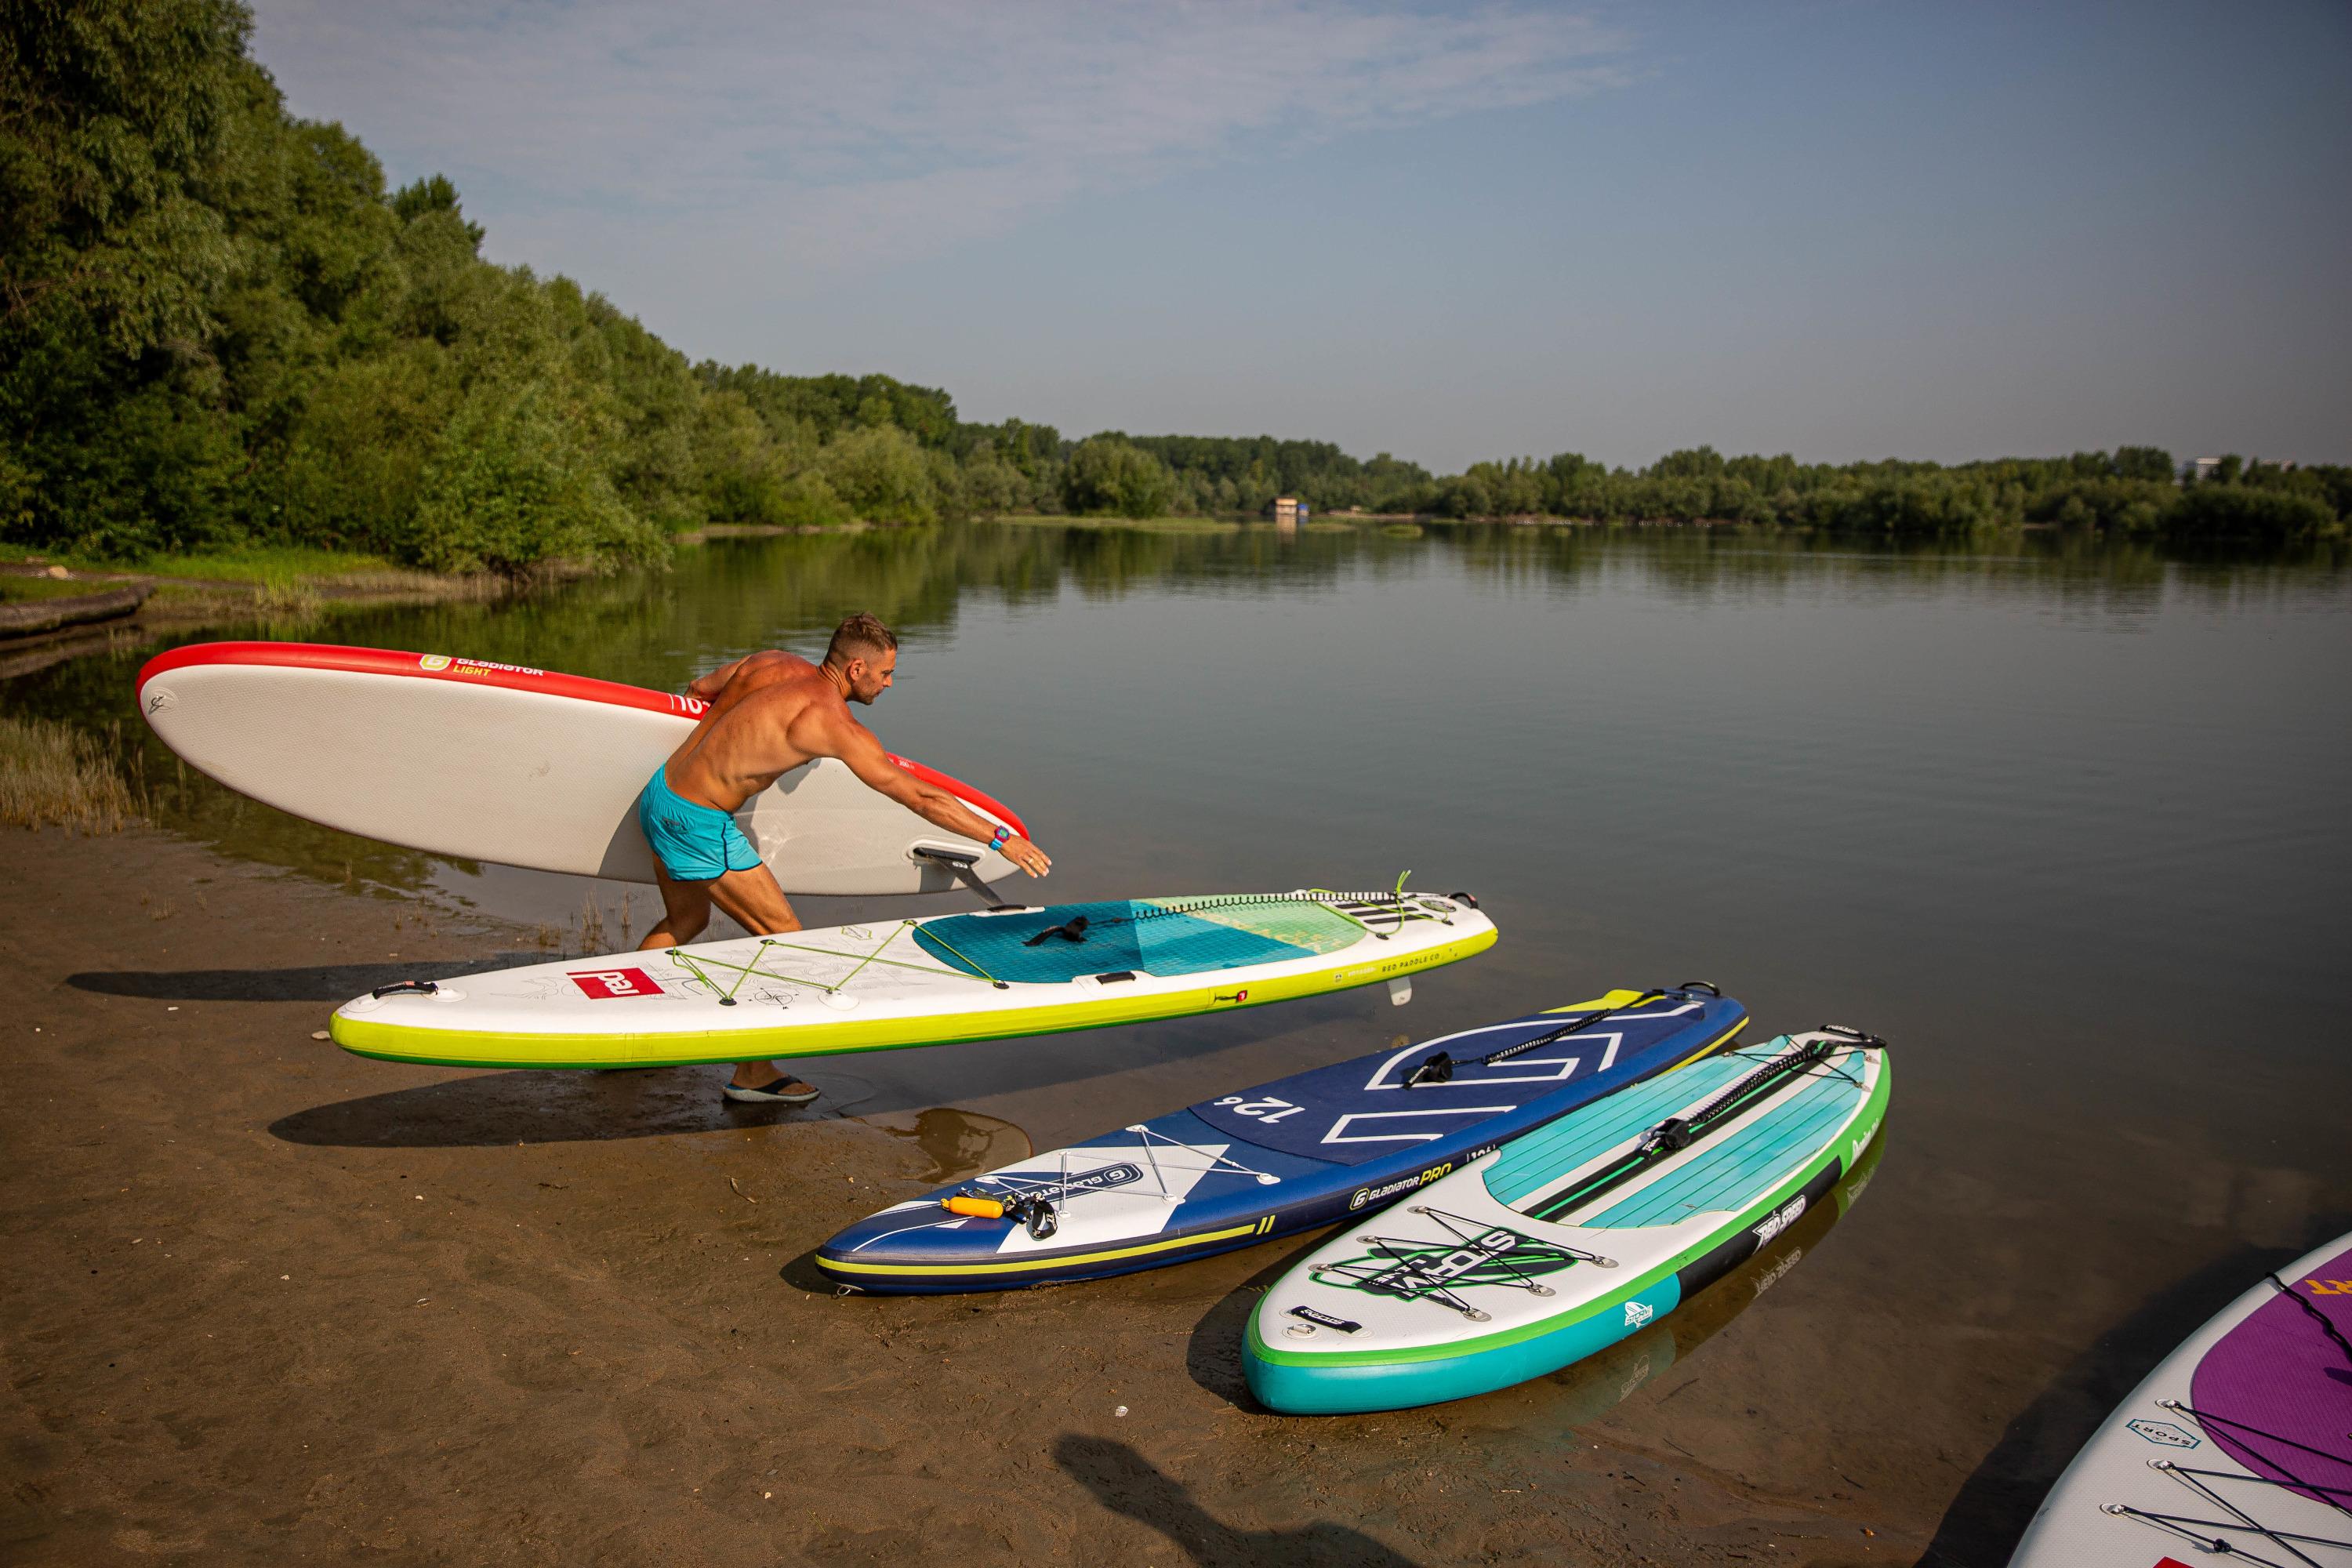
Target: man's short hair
[[859, 636]]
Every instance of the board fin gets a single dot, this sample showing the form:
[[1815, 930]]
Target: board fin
[[960, 864]]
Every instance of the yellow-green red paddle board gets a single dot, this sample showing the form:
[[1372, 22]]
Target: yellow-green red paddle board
[[887, 984]]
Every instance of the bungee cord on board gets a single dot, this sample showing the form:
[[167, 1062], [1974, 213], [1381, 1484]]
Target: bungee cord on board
[[1396, 908], [693, 963], [2207, 1484], [2327, 1324], [1029, 1199], [1404, 1268], [2198, 1530]]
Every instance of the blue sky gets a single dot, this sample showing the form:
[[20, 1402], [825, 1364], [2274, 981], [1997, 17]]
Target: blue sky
[[1843, 228]]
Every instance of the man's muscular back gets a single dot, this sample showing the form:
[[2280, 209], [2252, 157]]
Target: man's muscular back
[[771, 713], [746, 740]]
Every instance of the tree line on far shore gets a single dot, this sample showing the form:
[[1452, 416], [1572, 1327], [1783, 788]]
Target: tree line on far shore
[[219, 327]]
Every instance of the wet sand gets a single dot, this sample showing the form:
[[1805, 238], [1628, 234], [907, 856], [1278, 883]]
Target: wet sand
[[265, 1298]]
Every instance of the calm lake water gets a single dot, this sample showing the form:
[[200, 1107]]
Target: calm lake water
[[2065, 822]]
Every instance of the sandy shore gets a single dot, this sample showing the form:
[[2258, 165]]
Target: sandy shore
[[266, 1299]]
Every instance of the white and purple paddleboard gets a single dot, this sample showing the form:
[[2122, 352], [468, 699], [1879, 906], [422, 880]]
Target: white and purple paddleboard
[[480, 760], [2238, 1447]]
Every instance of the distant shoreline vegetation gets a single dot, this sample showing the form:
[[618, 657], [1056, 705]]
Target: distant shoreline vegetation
[[219, 330]]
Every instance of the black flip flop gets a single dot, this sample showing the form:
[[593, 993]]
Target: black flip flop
[[775, 1093]]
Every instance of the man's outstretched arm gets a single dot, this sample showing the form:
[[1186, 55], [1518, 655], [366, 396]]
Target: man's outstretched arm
[[854, 744], [709, 685]]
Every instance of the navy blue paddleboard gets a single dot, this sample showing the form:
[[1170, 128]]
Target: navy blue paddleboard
[[1287, 1156]]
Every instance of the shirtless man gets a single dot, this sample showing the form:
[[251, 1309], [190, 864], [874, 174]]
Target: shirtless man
[[770, 712]]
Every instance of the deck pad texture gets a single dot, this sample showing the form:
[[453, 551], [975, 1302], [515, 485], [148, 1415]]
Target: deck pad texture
[[2285, 1387], [1162, 936]]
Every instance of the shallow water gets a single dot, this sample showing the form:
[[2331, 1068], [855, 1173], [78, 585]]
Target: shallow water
[[2063, 822]]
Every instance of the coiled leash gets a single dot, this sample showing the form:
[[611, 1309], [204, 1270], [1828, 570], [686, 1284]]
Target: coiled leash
[[1036, 1213]]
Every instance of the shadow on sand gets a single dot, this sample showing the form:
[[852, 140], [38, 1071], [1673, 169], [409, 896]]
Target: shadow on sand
[[336, 983], [1214, 1356], [549, 1107], [557, 1106], [1998, 1500], [1126, 1482]]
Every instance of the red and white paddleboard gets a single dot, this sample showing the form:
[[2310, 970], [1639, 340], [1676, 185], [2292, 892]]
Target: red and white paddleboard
[[524, 767]]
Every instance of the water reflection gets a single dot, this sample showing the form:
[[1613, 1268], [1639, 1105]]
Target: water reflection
[[1575, 1396], [1410, 595], [958, 1143]]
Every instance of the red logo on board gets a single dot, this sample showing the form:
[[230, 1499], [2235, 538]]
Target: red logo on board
[[604, 984]]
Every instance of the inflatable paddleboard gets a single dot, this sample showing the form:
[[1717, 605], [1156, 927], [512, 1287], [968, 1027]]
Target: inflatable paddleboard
[[1567, 1240], [2238, 1445], [1297, 1152], [524, 767], [1016, 971], [1578, 1394]]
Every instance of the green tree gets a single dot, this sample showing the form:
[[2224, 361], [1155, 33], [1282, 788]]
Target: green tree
[[517, 481], [2247, 511], [880, 474], [433, 194], [111, 117], [1107, 473], [990, 485]]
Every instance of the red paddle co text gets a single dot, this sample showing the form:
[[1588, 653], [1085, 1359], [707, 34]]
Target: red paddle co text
[[608, 984]]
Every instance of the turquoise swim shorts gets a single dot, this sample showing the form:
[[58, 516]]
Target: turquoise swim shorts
[[694, 843]]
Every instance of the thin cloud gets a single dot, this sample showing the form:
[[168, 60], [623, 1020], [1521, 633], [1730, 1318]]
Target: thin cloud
[[833, 136]]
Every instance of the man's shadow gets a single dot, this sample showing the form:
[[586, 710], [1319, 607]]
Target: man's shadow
[[1126, 1482], [560, 1105], [494, 1108], [330, 982]]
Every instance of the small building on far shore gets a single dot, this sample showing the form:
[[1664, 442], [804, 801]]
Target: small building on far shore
[[1289, 512]]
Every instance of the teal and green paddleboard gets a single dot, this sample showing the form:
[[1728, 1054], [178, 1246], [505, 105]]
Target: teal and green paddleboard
[[1565, 1241]]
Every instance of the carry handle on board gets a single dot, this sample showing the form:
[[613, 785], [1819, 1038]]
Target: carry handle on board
[[959, 864]]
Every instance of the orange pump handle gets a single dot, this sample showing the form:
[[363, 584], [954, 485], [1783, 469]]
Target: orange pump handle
[[979, 1208]]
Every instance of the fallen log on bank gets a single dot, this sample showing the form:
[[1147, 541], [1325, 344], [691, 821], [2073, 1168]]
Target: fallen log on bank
[[29, 617]]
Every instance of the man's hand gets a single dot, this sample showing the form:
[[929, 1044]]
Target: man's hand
[[707, 686], [1027, 856]]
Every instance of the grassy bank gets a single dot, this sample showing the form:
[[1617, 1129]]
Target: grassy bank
[[1142, 525], [258, 566], [19, 590], [55, 776], [284, 583]]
